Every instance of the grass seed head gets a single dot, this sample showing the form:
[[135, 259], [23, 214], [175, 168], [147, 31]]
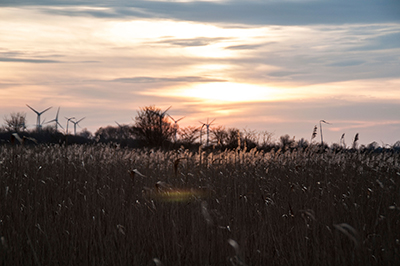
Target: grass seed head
[[349, 231]]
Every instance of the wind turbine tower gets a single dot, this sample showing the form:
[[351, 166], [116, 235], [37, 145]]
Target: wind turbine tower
[[56, 120], [38, 125], [176, 125], [76, 123], [68, 119], [208, 124]]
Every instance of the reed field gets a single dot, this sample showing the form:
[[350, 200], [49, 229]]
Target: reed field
[[105, 205]]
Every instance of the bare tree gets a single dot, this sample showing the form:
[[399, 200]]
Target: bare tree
[[86, 133], [233, 139], [188, 135], [152, 126], [286, 142], [111, 133], [250, 138], [266, 138], [220, 135], [16, 122]]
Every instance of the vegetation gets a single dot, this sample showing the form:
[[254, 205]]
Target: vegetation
[[137, 195], [16, 122], [152, 126], [105, 205], [153, 129]]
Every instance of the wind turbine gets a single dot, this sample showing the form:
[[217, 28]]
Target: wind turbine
[[176, 124], [76, 123], [56, 120], [208, 124], [68, 119], [38, 125], [320, 127]]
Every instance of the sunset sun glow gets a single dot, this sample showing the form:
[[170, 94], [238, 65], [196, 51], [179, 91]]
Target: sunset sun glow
[[230, 92]]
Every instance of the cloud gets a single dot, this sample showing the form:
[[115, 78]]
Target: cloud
[[161, 80], [244, 47], [282, 73], [26, 60], [346, 63], [4, 85], [317, 54], [200, 41], [305, 12], [381, 42]]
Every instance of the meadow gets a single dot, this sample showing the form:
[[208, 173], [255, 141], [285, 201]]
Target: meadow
[[105, 205]]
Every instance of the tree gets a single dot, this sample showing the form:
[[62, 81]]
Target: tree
[[152, 126], [188, 135], [302, 143], [85, 133], [220, 135], [233, 139], [266, 138], [16, 122], [111, 133], [250, 138], [286, 142]]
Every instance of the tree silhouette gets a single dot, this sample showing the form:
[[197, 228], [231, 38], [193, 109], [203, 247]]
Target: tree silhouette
[[152, 126], [16, 122], [188, 135]]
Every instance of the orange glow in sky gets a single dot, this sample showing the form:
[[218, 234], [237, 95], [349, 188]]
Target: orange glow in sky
[[228, 92], [205, 59]]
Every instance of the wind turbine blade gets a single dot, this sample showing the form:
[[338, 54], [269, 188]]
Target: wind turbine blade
[[80, 120], [166, 110], [57, 113], [59, 124], [33, 109], [46, 109], [171, 118], [212, 121], [179, 119]]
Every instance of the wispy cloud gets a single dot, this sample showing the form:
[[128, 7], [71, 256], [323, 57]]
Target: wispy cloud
[[244, 46], [345, 63], [305, 12], [200, 41], [26, 60], [163, 80], [384, 41]]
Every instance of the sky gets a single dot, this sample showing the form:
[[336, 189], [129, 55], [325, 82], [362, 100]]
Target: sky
[[276, 66]]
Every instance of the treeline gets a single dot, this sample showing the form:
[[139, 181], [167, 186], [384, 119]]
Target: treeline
[[154, 129]]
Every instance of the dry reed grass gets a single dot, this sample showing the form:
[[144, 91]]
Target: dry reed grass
[[77, 205]]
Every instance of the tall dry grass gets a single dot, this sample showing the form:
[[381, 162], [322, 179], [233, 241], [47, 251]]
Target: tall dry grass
[[79, 205]]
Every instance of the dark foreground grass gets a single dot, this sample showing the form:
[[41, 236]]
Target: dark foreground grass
[[80, 206]]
